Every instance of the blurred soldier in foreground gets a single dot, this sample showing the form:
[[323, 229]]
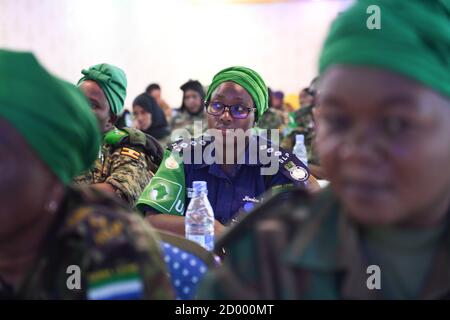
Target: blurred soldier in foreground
[[383, 119], [57, 242]]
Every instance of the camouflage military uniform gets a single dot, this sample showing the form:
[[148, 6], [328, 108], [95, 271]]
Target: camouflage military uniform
[[124, 166], [298, 247], [117, 254], [272, 119], [194, 124], [304, 125]]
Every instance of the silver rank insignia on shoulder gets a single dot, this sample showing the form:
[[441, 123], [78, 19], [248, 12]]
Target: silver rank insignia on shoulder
[[297, 173]]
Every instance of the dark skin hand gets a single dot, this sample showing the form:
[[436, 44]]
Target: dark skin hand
[[106, 187], [317, 171], [102, 111], [383, 143], [23, 224]]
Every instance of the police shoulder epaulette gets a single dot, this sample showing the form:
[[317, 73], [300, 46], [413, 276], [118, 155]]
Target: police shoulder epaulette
[[290, 166], [183, 144]]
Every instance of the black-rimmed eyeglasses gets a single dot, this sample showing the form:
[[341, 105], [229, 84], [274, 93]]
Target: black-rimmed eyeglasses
[[236, 111]]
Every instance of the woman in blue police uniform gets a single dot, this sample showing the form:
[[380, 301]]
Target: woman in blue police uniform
[[232, 167]]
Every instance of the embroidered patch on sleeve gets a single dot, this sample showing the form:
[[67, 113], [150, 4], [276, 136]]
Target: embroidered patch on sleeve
[[130, 153]]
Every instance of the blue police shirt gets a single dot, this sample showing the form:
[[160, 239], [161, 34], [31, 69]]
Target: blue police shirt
[[241, 189], [228, 194]]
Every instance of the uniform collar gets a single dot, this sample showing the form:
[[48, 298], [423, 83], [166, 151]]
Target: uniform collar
[[438, 282], [330, 242], [214, 168]]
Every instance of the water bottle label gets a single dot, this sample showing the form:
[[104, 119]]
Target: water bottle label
[[206, 242]]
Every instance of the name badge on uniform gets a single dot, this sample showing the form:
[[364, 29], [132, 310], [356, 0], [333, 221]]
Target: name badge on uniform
[[249, 203]]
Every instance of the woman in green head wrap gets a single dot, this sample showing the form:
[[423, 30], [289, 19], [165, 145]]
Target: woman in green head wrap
[[105, 86], [48, 135], [383, 121], [235, 100], [383, 116], [127, 157], [228, 157]]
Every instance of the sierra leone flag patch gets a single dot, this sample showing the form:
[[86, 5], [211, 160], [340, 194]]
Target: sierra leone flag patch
[[122, 284]]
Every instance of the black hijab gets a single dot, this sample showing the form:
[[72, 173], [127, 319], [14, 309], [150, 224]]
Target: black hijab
[[195, 86], [159, 128]]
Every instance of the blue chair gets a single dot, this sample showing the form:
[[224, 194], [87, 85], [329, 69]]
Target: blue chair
[[187, 263]]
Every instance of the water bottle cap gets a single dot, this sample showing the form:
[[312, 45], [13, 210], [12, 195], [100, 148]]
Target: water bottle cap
[[199, 186], [299, 138]]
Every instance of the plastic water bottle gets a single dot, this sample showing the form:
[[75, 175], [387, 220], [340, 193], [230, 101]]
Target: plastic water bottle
[[300, 149], [199, 219]]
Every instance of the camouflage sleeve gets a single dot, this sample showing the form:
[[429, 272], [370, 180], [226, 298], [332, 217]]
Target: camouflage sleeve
[[87, 177], [127, 262], [129, 173]]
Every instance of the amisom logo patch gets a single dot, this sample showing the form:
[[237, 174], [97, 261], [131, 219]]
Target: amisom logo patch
[[164, 194]]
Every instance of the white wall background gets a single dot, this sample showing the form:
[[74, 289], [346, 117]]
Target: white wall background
[[171, 41]]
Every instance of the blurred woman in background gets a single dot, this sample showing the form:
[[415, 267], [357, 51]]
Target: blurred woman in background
[[150, 118], [191, 115], [154, 91]]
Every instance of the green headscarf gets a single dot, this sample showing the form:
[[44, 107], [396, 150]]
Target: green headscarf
[[52, 115], [414, 40], [249, 80], [113, 82]]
